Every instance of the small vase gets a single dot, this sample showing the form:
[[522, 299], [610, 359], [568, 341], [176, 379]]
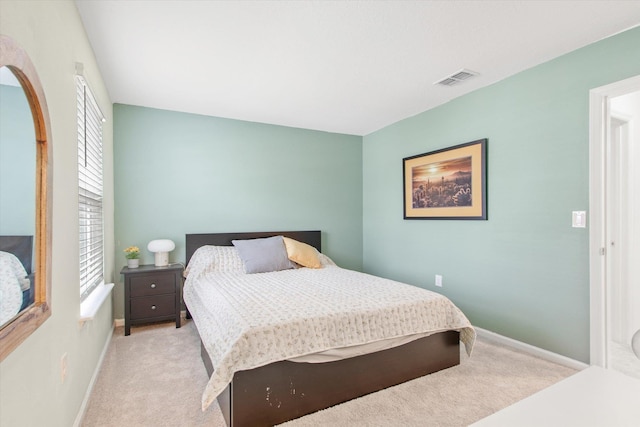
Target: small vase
[[133, 263]]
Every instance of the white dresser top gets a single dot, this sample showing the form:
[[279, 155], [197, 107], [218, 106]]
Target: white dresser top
[[593, 397]]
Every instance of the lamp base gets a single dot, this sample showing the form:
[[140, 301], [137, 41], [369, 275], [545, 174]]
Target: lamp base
[[162, 259]]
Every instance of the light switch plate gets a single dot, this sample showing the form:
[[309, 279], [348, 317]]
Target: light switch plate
[[579, 219]]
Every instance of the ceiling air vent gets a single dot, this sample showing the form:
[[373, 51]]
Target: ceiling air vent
[[456, 78]]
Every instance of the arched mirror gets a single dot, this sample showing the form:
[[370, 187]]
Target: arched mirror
[[25, 199]]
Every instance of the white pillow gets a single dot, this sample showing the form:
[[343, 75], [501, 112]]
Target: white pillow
[[325, 260], [214, 258]]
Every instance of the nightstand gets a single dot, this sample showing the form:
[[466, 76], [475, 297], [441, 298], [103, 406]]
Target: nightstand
[[152, 294]]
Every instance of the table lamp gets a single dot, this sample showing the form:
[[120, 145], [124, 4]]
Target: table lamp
[[161, 247]]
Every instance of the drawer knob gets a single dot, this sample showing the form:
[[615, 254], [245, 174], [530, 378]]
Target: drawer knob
[[153, 307], [153, 285]]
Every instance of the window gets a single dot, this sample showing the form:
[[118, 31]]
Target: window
[[90, 121]]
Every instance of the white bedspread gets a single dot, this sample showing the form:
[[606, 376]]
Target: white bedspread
[[12, 280], [250, 320]]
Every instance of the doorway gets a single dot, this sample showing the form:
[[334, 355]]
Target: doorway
[[615, 225]]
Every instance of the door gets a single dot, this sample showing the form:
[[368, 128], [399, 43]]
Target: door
[[615, 225]]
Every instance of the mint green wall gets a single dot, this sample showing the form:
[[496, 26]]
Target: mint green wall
[[17, 163], [179, 173], [524, 273]]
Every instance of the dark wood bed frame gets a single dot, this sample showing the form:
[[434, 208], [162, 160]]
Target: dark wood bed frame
[[286, 390]]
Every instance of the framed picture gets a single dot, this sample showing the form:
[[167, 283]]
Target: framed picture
[[447, 184]]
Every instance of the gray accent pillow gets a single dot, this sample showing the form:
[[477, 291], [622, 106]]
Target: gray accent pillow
[[263, 255]]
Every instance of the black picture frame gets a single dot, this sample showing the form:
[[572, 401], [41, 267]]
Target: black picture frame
[[450, 183]]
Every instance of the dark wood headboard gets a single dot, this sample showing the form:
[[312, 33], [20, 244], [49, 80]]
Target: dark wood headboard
[[194, 241], [21, 247]]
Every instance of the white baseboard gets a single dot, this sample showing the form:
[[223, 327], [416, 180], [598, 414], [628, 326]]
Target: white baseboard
[[94, 377], [533, 350]]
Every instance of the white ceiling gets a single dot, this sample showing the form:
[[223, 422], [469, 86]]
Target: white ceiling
[[340, 66]]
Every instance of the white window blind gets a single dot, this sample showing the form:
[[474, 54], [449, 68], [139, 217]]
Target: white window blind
[[90, 121]]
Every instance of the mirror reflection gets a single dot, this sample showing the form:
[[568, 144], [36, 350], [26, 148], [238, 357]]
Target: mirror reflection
[[17, 198]]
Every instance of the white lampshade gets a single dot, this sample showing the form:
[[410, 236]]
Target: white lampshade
[[161, 247]]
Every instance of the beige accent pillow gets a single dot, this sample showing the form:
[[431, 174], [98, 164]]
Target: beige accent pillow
[[301, 253]]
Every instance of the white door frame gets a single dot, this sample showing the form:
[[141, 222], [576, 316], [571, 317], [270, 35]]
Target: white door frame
[[599, 117], [618, 303]]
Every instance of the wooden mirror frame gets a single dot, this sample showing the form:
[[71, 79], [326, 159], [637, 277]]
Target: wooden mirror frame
[[13, 333]]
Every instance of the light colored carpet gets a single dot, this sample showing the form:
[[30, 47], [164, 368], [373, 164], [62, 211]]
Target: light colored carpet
[[623, 360], [155, 377]]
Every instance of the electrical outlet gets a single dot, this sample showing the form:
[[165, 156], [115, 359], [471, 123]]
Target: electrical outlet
[[63, 367], [438, 280]]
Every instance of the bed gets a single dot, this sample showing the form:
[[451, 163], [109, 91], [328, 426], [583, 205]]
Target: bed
[[258, 384], [16, 276]]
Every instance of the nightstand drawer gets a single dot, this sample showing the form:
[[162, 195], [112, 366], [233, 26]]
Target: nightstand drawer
[[154, 306], [152, 284]]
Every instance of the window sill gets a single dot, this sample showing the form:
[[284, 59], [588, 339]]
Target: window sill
[[91, 304]]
